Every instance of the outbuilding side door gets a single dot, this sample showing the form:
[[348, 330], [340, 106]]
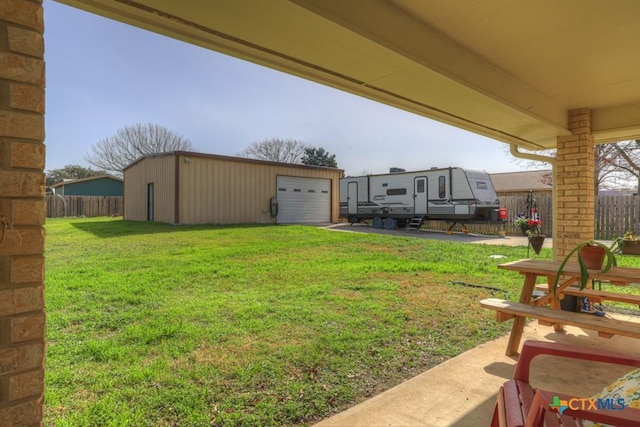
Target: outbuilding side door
[[150, 201]]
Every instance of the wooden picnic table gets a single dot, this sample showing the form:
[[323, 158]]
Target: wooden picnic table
[[528, 306]]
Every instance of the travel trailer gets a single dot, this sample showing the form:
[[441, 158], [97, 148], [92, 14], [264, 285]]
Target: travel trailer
[[402, 198]]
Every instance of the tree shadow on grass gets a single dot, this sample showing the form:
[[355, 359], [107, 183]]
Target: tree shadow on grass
[[110, 228]]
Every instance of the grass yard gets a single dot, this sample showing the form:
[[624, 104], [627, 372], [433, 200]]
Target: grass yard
[[155, 325]]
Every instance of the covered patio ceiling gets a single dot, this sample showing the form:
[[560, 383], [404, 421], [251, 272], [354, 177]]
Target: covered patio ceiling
[[509, 70]]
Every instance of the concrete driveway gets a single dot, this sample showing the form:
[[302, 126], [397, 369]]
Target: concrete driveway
[[438, 235]]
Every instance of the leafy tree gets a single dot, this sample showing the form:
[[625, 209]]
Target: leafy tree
[[319, 157], [275, 150], [55, 176], [132, 142]]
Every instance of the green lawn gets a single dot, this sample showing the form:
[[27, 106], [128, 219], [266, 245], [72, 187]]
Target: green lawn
[[156, 325]]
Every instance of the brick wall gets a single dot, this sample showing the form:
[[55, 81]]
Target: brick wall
[[22, 319], [575, 184]]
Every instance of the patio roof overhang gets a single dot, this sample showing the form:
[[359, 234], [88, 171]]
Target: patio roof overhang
[[506, 70]]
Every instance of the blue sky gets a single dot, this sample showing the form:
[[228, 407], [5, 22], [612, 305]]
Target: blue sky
[[103, 75]]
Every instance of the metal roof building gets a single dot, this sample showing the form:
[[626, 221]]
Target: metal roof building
[[102, 185], [196, 188]]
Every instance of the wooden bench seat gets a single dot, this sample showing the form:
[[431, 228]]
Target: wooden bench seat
[[595, 295], [606, 327]]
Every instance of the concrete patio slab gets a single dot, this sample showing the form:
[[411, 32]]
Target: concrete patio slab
[[461, 392]]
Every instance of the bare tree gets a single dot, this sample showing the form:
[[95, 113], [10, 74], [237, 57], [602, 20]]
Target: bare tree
[[132, 142], [621, 160], [275, 150], [615, 163]]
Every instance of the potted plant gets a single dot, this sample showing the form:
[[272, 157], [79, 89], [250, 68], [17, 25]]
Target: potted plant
[[522, 222], [531, 226], [628, 244], [534, 232], [591, 256]]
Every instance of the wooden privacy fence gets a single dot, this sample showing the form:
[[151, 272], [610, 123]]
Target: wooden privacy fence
[[514, 206], [614, 215], [518, 205], [617, 214], [70, 206]]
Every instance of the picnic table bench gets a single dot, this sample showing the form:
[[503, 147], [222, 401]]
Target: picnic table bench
[[537, 308], [594, 295]]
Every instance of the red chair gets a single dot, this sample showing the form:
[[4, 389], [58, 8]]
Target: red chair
[[520, 405]]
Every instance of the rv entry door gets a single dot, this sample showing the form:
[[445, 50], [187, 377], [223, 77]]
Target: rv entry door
[[420, 195], [352, 198]]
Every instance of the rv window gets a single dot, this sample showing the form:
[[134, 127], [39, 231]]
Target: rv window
[[396, 191], [442, 187], [482, 185], [420, 186]]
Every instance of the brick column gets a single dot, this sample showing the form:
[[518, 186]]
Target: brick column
[[575, 191], [22, 212]]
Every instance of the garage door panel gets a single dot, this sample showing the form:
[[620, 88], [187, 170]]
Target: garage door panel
[[303, 200]]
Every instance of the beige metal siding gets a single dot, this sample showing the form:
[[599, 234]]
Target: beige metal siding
[[159, 171], [221, 191]]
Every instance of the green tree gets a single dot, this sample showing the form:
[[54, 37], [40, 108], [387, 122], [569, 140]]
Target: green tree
[[55, 176], [319, 157]]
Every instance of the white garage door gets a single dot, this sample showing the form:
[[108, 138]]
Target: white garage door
[[303, 200]]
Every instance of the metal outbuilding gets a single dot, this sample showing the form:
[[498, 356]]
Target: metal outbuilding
[[194, 188], [101, 185]]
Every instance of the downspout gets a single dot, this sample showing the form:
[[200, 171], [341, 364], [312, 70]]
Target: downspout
[[531, 156], [554, 198]]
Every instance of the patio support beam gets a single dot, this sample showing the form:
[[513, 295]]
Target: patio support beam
[[22, 213], [574, 187]]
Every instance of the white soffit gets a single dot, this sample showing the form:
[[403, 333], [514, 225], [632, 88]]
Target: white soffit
[[506, 70]]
